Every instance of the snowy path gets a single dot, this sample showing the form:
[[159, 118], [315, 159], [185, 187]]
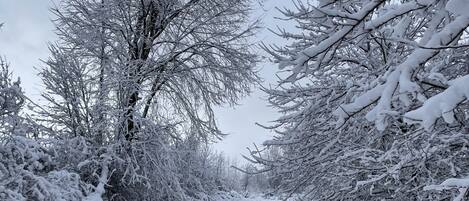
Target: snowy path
[[233, 196], [252, 198]]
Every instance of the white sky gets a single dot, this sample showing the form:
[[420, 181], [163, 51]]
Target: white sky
[[28, 29]]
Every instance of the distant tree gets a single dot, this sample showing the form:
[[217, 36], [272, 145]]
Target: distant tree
[[246, 180], [374, 96]]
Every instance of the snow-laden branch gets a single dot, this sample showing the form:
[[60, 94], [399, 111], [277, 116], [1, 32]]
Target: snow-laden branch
[[401, 77], [450, 184], [394, 12], [461, 184], [99, 190], [441, 105], [313, 51], [347, 110]]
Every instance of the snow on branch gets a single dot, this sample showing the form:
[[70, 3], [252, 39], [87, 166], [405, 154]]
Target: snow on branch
[[401, 77], [304, 56], [390, 66], [441, 105], [461, 184], [392, 13]]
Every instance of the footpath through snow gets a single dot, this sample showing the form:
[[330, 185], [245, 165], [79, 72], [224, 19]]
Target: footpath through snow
[[253, 198], [234, 196]]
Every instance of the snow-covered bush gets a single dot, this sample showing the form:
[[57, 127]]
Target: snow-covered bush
[[27, 172], [27, 167]]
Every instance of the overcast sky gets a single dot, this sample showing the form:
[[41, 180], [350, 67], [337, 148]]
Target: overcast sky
[[28, 28]]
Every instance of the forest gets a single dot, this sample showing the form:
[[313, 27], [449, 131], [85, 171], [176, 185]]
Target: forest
[[370, 96]]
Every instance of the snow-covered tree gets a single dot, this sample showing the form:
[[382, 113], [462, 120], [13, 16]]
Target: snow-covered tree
[[11, 101], [130, 85], [171, 60], [374, 99], [27, 166]]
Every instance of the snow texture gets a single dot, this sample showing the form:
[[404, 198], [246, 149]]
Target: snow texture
[[458, 7], [441, 105]]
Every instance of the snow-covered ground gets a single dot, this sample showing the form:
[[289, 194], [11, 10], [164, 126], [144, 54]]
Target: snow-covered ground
[[234, 196], [253, 198]]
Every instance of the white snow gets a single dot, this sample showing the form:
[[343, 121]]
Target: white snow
[[406, 86], [458, 7], [456, 182], [234, 196], [346, 110], [256, 198], [313, 51], [461, 184], [441, 105], [391, 11]]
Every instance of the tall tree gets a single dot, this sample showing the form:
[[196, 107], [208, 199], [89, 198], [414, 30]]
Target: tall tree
[[177, 58], [363, 88], [136, 79]]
